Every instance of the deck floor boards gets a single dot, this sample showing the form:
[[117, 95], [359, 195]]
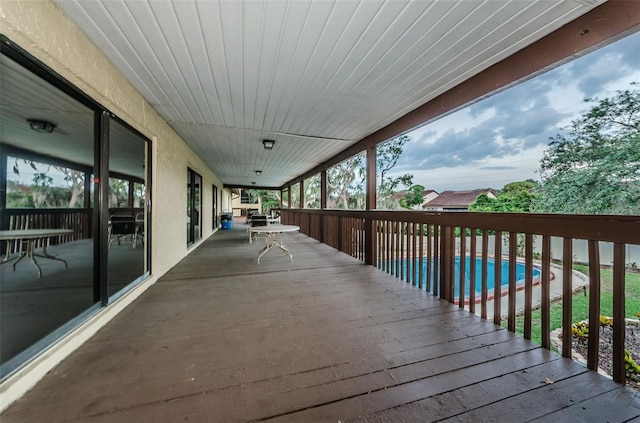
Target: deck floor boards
[[322, 338]]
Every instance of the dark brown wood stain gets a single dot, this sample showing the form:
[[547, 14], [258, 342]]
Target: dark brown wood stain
[[324, 338]]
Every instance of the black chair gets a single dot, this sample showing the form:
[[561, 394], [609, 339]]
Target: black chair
[[120, 227], [258, 220], [139, 219]]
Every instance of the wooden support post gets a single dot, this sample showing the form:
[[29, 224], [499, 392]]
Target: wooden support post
[[369, 224]]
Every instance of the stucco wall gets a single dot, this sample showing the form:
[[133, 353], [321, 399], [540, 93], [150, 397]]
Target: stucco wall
[[39, 27]]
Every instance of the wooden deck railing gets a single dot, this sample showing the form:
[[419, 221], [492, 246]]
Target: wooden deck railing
[[79, 220], [421, 248]]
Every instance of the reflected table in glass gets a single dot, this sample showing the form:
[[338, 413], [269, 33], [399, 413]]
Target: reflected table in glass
[[27, 239], [273, 237]]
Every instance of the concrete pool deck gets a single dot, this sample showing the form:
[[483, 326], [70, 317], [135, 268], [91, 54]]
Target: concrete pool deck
[[579, 281]]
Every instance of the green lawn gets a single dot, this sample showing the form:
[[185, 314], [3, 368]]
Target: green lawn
[[581, 302]]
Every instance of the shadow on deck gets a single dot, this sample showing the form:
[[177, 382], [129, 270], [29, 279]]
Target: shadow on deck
[[325, 338]]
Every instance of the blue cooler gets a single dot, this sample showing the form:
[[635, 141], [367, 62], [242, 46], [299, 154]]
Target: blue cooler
[[226, 220]]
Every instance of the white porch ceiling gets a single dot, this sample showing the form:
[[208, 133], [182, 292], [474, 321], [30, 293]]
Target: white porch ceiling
[[316, 76]]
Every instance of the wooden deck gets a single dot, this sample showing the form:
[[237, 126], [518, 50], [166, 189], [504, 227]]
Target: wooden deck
[[325, 338]]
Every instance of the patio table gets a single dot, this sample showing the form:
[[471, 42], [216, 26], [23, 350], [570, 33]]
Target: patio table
[[27, 239], [273, 237]]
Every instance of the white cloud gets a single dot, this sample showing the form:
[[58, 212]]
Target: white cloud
[[502, 138]]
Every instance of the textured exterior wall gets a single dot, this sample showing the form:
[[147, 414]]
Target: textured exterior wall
[[39, 27]]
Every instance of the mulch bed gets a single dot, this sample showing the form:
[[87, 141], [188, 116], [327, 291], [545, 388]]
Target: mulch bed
[[632, 344]]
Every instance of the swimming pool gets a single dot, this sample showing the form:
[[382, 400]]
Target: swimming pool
[[504, 274]]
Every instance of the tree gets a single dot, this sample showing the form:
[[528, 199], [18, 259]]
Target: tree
[[513, 197], [312, 192], [413, 197], [387, 156], [345, 184], [45, 190], [76, 180], [268, 198], [346, 180], [294, 201], [41, 188], [595, 169]]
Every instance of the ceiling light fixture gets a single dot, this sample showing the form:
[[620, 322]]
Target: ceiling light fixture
[[253, 182], [268, 144], [258, 172], [41, 125]]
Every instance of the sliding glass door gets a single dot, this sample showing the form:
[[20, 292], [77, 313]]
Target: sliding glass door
[[63, 256], [216, 221], [127, 227], [194, 206], [47, 155]]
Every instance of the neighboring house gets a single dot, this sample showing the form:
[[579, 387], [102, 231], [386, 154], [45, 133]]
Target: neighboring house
[[243, 202], [456, 200], [427, 195]]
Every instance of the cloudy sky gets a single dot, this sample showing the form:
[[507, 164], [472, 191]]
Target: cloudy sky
[[502, 138]]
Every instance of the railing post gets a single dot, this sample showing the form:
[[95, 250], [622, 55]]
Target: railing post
[[593, 341], [463, 259], [497, 281], [472, 270], [528, 285], [545, 306], [340, 234], [484, 295], [567, 301], [446, 277], [618, 313], [369, 242], [513, 255]]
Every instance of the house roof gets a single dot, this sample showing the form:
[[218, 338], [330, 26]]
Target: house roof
[[456, 198], [400, 194]]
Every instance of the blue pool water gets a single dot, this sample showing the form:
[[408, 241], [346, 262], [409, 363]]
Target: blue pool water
[[504, 274]]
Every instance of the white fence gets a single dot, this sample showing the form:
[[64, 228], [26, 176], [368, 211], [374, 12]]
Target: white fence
[[580, 250]]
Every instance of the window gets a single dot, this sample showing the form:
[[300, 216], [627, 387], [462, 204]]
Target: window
[[194, 209]]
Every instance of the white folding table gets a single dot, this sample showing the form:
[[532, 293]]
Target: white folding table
[[28, 238], [273, 237]]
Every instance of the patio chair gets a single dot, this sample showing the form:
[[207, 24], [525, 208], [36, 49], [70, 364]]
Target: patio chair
[[258, 220], [139, 227], [121, 226]]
